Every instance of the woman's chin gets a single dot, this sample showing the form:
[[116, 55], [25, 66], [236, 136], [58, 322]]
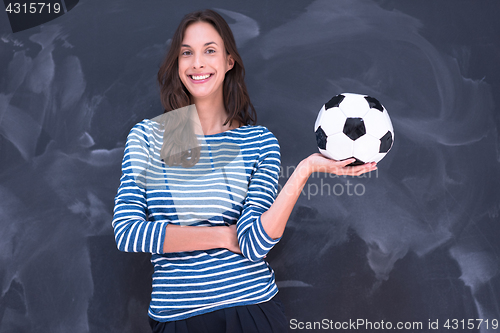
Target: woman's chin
[[197, 97]]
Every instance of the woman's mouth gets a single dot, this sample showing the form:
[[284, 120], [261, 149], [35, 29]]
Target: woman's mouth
[[200, 78]]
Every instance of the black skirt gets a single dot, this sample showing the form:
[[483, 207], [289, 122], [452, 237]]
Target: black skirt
[[267, 317]]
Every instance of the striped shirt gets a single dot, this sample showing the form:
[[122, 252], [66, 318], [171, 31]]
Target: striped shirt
[[234, 182]]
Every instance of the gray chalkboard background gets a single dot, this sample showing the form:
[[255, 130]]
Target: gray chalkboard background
[[417, 241]]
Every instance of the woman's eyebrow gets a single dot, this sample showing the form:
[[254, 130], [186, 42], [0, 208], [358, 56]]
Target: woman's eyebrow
[[186, 45]]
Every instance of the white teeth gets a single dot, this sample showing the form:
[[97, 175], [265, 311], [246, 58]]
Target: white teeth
[[200, 77]]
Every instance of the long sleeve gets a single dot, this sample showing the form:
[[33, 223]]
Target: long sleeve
[[252, 238], [133, 231]]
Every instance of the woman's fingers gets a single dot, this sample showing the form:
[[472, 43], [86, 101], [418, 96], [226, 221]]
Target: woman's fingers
[[234, 246], [361, 169], [348, 161], [342, 168], [320, 163]]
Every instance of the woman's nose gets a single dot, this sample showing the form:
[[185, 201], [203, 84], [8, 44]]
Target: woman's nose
[[198, 61]]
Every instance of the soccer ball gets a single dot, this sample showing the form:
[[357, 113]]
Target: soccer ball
[[354, 125]]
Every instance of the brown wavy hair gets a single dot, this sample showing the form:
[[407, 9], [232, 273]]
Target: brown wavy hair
[[174, 94]]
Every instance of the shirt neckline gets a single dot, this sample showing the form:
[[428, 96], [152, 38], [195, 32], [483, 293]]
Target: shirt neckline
[[224, 132]]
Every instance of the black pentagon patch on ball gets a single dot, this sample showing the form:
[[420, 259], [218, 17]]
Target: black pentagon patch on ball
[[386, 142], [374, 103], [354, 128], [334, 102], [321, 138]]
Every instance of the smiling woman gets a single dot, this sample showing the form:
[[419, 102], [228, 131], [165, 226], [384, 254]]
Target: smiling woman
[[209, 224]]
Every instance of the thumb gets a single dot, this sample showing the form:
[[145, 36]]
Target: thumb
[[348, 161]]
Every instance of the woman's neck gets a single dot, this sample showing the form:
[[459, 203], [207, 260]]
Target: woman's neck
[[212, 115]]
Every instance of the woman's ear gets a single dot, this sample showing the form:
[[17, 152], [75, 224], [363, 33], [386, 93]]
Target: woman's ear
[[230, 62]]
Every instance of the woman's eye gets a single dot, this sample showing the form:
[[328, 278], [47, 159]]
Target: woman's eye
[[210, 51], [186, 53]]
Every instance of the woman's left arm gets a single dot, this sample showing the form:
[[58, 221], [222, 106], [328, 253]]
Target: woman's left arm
[[253, 240], [264, 215], [275, 218]]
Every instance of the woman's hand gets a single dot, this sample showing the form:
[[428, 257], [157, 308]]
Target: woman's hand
[[231, 238], [319, 163]]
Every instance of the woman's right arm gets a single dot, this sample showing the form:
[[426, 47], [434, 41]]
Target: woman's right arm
[[190, 238], [134, 233]]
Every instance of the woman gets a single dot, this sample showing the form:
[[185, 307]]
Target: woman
[[212, 279]]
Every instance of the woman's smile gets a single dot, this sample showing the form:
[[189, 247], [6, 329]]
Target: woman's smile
[[200, 78]]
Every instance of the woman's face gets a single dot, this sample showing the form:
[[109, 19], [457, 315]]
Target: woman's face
[[203, 62]]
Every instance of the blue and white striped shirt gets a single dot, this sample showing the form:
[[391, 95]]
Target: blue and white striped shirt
[[234, 182]]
